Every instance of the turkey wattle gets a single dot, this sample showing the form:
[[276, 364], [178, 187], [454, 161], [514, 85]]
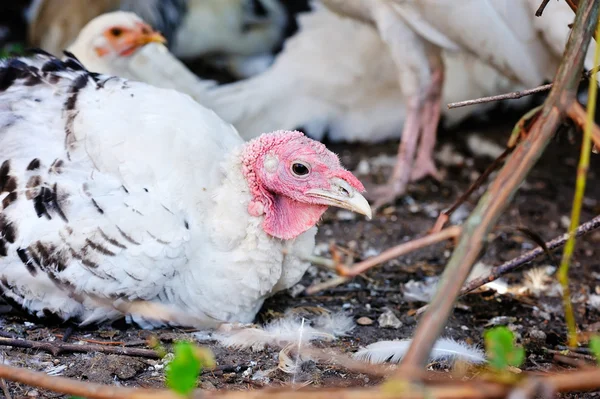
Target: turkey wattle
[[120, 190]]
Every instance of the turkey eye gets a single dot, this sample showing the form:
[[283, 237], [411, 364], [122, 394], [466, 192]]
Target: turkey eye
[[299, 169], [116, 32]]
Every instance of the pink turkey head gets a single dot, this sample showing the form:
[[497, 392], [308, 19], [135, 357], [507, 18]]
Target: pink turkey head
[[293, 180]]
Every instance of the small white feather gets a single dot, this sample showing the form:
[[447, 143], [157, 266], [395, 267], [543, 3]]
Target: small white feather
[[444, 349], [336, 324], [280, 332]]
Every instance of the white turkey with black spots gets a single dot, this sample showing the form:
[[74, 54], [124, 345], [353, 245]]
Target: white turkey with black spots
[[118, 190]]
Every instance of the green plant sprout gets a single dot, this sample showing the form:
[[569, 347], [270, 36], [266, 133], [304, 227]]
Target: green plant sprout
[[595, 347], [501, 349], [183, 371]]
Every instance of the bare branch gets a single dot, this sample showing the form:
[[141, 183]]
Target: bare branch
[[541, 8], [57, 347], [502, 190], [391, 253], [515, 94]]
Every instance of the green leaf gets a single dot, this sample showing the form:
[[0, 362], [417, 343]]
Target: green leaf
[[501, 349], [183, 371], [595, 347]]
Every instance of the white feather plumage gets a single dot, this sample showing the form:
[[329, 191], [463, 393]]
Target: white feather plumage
[[168, 224], [444, 349], [325, 80]]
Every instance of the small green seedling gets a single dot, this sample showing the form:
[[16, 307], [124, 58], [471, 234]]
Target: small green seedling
[[501, 349], [595, 347], [183, 371]]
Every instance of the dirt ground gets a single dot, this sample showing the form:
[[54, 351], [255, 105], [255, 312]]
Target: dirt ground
[[531, 307]]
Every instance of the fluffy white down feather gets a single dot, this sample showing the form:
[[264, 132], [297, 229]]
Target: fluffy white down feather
[[285, 331], [166, 224], [326, 79], [444, 349]]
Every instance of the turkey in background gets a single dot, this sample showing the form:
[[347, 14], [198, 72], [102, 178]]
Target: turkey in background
[[234, 35]]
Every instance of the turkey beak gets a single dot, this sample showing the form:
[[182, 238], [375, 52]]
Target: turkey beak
[[152, 37], [342, 195]]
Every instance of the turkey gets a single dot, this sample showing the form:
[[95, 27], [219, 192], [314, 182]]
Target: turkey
[[239, 34], [119, 190], [333, 86], [321, 85], [505, 33], [120, 43]]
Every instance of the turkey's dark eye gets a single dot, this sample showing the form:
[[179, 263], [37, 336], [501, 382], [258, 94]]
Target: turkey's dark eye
[[300, 169], [116, 32]]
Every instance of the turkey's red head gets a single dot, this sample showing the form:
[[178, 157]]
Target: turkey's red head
[[293, 180]]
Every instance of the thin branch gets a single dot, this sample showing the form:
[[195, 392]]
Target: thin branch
[[399, 250], [574, 4], [527, 257], [445, 215], [522, 260], [541, 8], [502, 190], [5, 390], [578, 114], [582, 169], [506, 96], [440, 388], [79, 388], [515, 94], [57, 347], [391, 253]]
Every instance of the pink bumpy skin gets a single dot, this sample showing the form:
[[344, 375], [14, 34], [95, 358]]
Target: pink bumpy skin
[[293, 202]]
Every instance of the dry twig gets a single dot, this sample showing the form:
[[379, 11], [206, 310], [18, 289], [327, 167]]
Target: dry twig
[[445, 215], [5, 389], [501, 191], [522, 260], [57, 347], [440, 388], [515, 95], [391, 253], [541, 8]]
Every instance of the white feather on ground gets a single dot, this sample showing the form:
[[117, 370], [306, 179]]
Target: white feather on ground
[[444, 349], [279, 333], [285, 331], [336, 324]]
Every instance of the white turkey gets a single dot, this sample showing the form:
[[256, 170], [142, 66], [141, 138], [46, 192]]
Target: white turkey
[[319, 85], [336, 76], [505, 33], [120, 43], [119, 190], [239, 34]]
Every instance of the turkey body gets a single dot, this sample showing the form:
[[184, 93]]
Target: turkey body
[[123, 191], [333, 85], [500, 32]]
